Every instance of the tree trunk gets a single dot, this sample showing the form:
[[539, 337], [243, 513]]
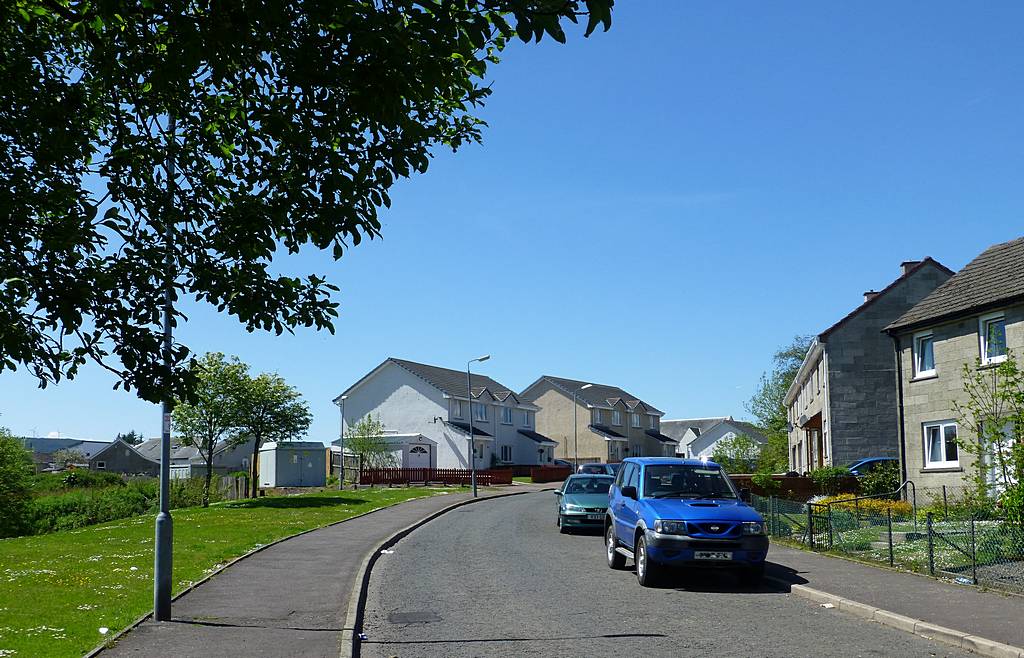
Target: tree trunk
[[254, 468], [209, 479]]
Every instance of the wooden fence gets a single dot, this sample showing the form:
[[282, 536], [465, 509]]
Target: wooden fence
[[450, 476], [549, 473], [799, 488]]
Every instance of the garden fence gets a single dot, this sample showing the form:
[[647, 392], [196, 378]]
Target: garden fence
[[945, 538]]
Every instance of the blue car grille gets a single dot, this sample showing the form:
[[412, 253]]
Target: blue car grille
[[713, 529]]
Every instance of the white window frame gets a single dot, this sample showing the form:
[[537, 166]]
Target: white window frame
[[506, 415], [527, 419], [941, 425], [636, 420], [506, 450], [652, 421], [919, 338], [101, 466], [595, 416], [983, 323], [479, 411], [616, 418], [457, 409]]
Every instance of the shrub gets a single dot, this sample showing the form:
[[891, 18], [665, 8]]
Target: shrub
[[870, 506], [1012, 502], [843, 520], [766, 483], [882, 479], [15, 485], [828, 478], [82, 478]]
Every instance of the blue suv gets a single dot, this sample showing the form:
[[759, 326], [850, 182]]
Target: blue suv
[[681, 512]]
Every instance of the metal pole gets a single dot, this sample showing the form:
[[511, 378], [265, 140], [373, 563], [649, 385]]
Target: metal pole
[[931, 543], [974, 553], [472, 448], [341, 479], [575, 437], [164, 539], [810, 526], [945, 505], [888, 514]]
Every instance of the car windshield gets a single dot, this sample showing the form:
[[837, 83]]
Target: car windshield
[[853, 465], [614, 468], [686, 481], [592, 468], [588, 485]]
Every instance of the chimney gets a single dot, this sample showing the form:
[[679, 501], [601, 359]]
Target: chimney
[[908, 265], [870, 294]]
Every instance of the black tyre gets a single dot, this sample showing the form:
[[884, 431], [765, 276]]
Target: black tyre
[[648, 572], [561, 526], [616, 560]]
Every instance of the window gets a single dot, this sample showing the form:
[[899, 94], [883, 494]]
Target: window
[[940, 449], [457, 408], [479, 411], [101, 466], [652, 421], [924, 355], [506, 415], [616, 417], [597, 416], [993, 338], [527, 419], [506, 453], [636, 420]]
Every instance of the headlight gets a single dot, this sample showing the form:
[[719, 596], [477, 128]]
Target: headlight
[[670, 527], [753, 528], [569, 507]]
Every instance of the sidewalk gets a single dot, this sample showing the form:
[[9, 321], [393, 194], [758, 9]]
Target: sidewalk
[[988, 614], [289, 599]]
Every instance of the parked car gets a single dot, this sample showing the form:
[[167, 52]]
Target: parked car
[[862, 467], [666, 511], [561, 463], [583, 501], [598, 469]]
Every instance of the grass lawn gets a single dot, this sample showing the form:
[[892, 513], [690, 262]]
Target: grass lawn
[[525, 479], [58, 590]]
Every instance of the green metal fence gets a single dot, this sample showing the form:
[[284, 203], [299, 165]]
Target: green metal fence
[[973, 547]]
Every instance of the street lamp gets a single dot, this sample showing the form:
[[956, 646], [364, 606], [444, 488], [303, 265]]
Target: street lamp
[[469, 395], [575, 433], [341, 478]]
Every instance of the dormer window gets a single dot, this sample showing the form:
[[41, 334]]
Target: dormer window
[[479, 411], [506, 415], [527, 419], [616, 417], [596, 415], [652, 421], [457, 408], [636, 420]]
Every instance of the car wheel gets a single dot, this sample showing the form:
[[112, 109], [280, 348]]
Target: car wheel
[[561, 526], [616, 560], [648, 572], [752, 576]]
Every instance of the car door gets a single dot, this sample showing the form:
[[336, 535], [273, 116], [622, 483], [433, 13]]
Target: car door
[[616, 499], [630, 514]]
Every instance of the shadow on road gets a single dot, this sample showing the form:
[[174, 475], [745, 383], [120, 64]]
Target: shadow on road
[[778, 579], [295, 502], [607, 636]]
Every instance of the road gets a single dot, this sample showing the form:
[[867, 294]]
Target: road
[[497, 579]]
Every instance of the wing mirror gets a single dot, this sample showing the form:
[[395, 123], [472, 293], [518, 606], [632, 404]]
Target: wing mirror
[[558, 492], [745, 495], [629, 492]]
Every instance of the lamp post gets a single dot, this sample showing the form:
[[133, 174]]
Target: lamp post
[[469, 396], [575, 432], [341, 479]]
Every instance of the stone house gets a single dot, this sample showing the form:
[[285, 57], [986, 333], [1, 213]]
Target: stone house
[[842, 404], [698, 437], [428, 415], [974, 319], [606, 424], [122, 457]]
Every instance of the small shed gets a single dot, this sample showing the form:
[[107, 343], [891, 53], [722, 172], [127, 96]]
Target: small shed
[[293, 464]]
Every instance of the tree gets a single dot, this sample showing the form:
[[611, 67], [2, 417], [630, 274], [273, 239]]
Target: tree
[[269, 410], [182, 144], [16, 471], [367, 440], [131, 438], [768, 406], [212, 414], [68, 456], [736, 454], [993, 416]]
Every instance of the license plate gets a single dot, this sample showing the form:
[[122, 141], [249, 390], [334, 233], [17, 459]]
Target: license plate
[[712, 555], [594, 517]]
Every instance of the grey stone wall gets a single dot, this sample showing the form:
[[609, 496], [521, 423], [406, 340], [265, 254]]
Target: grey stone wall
[[862, 394]]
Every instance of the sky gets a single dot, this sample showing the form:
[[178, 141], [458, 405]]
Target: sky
[[658, 207]]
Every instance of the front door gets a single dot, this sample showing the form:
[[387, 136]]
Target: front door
[[418, 457]]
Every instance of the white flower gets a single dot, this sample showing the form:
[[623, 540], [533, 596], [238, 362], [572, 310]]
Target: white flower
[[104, 630]]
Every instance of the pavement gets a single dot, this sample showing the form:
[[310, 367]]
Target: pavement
[[987, 614], [498, 579], [289, 599]]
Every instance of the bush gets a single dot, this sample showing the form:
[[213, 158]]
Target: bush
[[843, 520], [82, 478], [766, 483], [828, 478], [882, 479], [16, 471], [870, 506], [1012, 502]]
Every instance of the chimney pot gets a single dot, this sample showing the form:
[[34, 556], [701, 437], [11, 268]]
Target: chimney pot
[[908, 265], [870, 294]]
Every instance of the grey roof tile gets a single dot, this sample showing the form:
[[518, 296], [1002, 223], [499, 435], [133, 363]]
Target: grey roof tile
[[599, 394], [453, 382]]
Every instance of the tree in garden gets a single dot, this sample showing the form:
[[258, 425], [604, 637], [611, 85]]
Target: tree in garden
[[68, 456], [269, 410], [993, 415], [186, 144], [367, 440], [132, 438], [736, 454], [768, 407], [212, 413], [16, 471]]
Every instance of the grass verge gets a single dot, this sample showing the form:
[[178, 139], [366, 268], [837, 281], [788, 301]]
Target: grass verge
[[58, 590]]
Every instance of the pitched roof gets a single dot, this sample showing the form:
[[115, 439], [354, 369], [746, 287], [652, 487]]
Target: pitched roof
[[452, 382], [994, 278], [539, 438], [47, 445], [751, 430], [654, 434], [677, 428], [602, 395], [881, 293], [607, 431], [458, 424]]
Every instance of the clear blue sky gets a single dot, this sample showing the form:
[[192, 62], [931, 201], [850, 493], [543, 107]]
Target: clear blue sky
[[659, 207]]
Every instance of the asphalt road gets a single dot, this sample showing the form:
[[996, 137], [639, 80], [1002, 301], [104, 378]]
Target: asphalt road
[[497, 579]]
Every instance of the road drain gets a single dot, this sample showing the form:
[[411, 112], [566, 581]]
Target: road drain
[[413, 617]]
